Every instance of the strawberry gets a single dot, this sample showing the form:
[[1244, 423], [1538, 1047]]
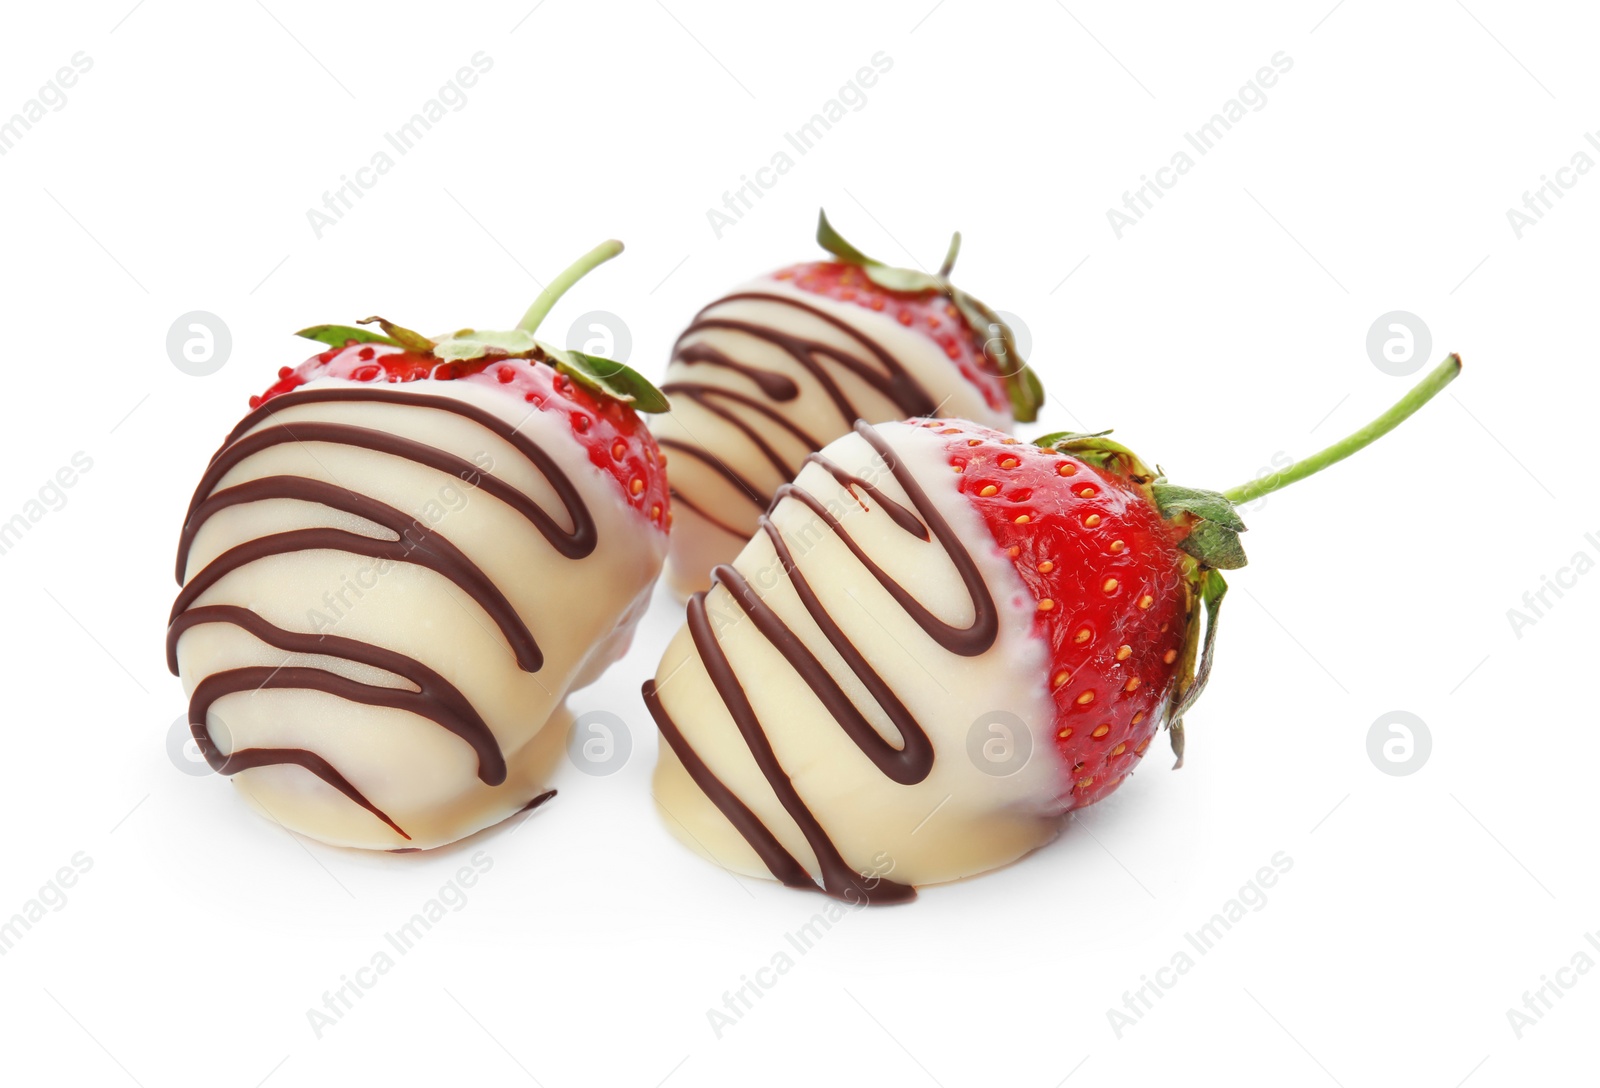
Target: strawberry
[[600, 398], [338, 535], [968, 332], [773, 762], [787, 361], [1117, 559]]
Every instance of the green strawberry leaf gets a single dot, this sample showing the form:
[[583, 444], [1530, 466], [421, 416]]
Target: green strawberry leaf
[[1207, 505], [1098, 450], [337, 336], [1215, 545], [411, 341], [1214, 535], [908, 281], [469, 344], [609, 378], [830, 240], [1059, 440], [1027, 395], [1023, 388], [1192, 681]]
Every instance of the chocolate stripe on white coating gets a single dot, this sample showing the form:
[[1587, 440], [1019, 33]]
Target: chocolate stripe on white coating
[[875, 366], [414, 543], [435, 699], [907, 765]]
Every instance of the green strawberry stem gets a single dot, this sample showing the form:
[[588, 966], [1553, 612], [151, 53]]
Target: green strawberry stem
[[580, 268], [1421, 394], [950, 255]]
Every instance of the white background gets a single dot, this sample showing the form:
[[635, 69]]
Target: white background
[[1227, 327]]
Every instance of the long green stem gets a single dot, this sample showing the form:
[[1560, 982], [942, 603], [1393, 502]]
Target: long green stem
[[591, 260], [1424, 391]]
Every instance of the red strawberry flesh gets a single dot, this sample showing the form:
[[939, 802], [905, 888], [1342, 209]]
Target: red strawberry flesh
[[1106, 578]]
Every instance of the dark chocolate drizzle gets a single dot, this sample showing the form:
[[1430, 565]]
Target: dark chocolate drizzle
[[430, 695], [679, 500], [434, 697], [246, 758], [414, 543], [874, 365], [849, 481], [538, 799], [907, 764]]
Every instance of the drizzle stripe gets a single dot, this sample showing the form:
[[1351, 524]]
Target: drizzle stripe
[[432, 552], [907, 765], [677, 497], [246, 758], [574, 545], [436, 698], [889, 378], [766, 845], [893, 381]]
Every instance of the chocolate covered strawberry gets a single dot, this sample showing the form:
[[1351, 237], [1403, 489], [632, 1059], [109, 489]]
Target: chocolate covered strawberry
[[787, 362], [940, 640], [400, 562]]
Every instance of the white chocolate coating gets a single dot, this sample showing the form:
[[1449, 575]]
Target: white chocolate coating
[[714, 515], [963, 817], [581, 612]]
